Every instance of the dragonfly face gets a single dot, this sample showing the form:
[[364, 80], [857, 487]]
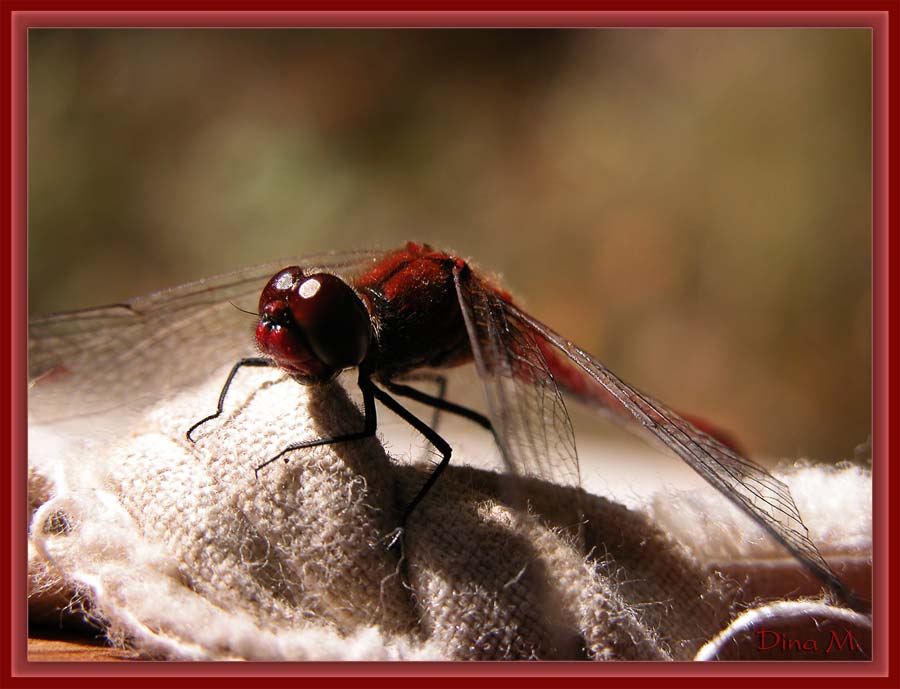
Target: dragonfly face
[[312, 326]]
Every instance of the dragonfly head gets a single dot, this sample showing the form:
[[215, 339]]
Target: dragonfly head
[[312, 326]]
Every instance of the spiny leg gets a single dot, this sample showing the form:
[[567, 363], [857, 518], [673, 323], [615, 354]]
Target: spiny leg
[[429, 377], [439, 403], [370, 423], [439, 380], [430, 434], [246, 361]]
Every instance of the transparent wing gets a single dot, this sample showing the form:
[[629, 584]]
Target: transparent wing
[[530, 420], [765, 499], [85, 362]]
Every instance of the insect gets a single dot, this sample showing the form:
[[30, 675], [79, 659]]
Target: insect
[[390, 314]]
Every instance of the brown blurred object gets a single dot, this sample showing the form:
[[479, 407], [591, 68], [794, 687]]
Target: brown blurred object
[[691, 206]]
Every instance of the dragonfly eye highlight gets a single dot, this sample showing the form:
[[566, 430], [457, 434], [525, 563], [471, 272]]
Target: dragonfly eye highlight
[[278, 289]]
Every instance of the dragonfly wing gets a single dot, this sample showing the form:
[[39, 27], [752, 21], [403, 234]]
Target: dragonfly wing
[[85, 362], [751, 487], [529, 416]]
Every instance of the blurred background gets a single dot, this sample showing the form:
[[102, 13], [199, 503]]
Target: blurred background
[[691, 206]]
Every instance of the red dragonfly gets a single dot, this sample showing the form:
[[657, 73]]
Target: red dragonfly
[[391, 314]]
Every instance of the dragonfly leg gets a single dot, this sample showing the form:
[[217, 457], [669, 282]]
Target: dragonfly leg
[[370, 423], [247, 361], [430, 434], [441, 382], [433, 401], [437, 379], [439, 403]]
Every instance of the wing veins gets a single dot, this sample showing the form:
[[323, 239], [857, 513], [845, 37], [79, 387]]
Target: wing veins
[[782, 520]]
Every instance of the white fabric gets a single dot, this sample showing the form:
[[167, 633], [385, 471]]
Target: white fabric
[[181, 551]]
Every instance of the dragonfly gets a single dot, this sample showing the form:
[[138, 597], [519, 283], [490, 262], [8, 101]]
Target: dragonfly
[[389, 315]]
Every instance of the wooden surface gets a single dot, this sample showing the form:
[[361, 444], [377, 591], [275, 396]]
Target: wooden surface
[[49, 645]]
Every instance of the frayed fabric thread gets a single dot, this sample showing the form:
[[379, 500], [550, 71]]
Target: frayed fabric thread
[[180, 551]]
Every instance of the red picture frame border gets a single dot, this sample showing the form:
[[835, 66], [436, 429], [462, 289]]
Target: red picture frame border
[[881, 17]]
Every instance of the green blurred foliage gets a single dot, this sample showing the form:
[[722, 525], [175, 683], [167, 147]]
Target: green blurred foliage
[[692, 206]]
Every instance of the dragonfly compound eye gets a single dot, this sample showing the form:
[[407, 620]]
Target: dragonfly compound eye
[[333, 318], [312, 325], [278, 289]]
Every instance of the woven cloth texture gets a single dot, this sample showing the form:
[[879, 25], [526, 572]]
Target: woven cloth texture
[[182, 551]]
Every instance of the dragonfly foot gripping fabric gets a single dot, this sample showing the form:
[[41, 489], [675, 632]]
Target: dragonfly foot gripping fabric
[[181, 551]]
